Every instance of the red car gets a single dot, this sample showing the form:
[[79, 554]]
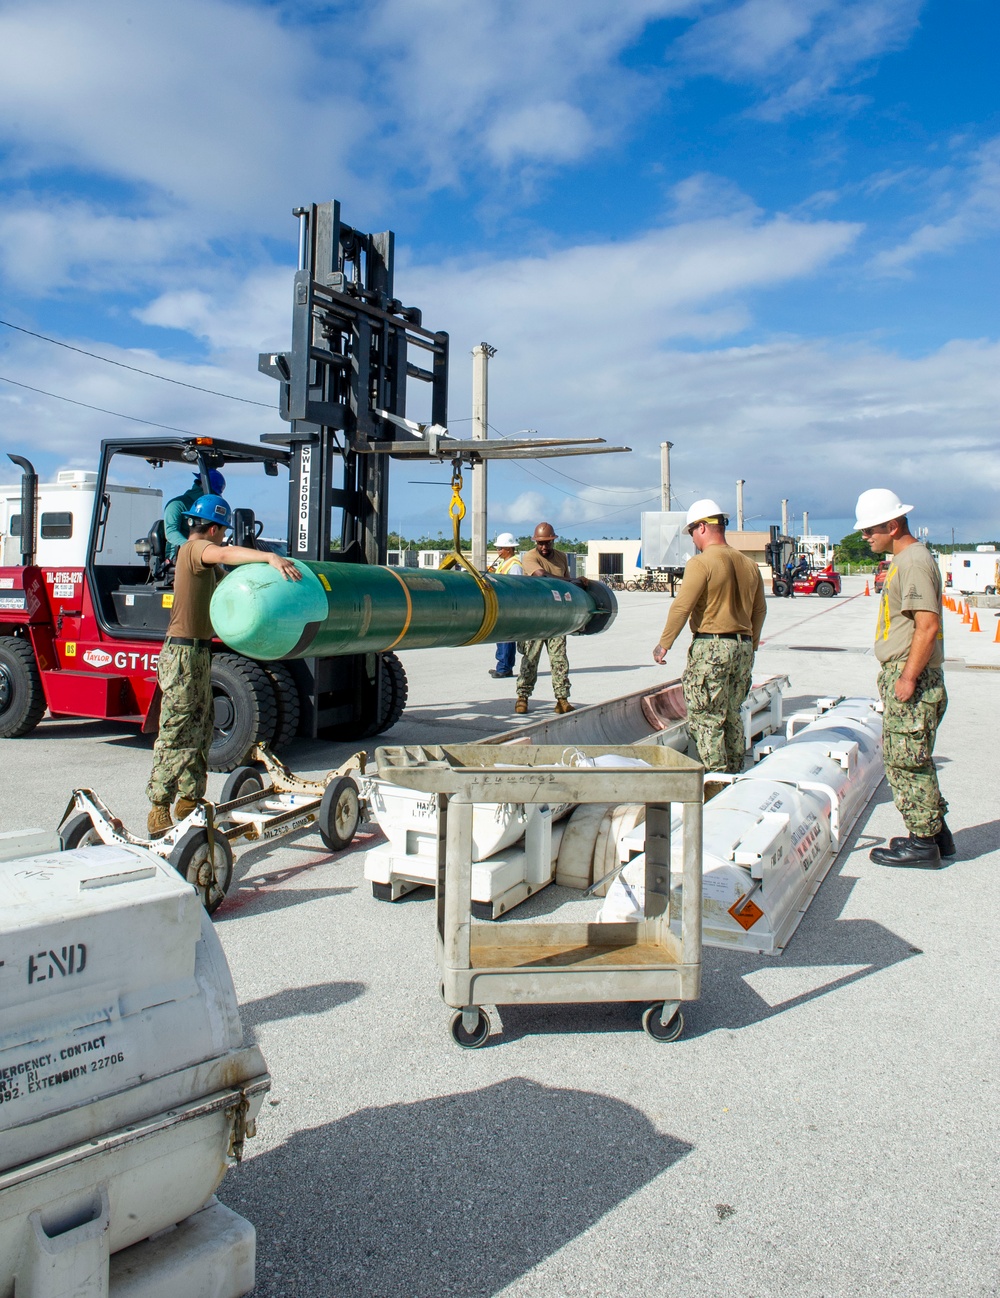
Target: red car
[[880, 572]]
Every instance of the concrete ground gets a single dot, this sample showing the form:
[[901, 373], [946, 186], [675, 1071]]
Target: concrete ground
[[825, 1127]]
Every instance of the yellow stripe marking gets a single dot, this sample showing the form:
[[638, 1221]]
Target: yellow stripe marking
[[409, 611]]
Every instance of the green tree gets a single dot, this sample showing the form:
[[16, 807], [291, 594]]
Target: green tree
[[853, 548]]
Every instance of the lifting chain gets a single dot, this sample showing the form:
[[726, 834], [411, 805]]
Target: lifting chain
[[457, 559]]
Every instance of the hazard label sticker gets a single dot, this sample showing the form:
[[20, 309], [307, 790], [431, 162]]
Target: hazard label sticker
[[167, 601], [748, 915]]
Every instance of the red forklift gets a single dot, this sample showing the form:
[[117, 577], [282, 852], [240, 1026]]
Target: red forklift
[[81, 629], [82, 622]]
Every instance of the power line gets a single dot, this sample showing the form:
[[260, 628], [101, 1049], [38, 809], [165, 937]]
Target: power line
[[601, 517], [117, 414], [135, 369]]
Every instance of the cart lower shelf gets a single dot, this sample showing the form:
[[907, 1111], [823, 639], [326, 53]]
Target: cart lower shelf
[[620, 955]]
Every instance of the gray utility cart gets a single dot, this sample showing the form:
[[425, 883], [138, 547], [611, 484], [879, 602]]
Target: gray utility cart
[[505, 963]]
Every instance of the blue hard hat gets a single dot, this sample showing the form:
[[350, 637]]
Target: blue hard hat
[[216, 482], [211, 509]]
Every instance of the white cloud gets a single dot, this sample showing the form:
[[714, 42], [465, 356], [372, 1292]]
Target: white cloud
[[974, 212], [208, 104], [796, 51]]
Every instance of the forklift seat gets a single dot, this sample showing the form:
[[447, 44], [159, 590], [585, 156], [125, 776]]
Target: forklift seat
[[153, 548], [246, 529]]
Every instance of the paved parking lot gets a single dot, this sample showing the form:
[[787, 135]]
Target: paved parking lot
[[825, 1126]]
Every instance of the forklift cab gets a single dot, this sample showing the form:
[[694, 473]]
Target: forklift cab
[[132, 579]]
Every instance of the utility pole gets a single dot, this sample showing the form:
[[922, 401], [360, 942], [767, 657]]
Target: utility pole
[[665, 448], [784, 518], [480, 431], [805, 522], [740, 483]]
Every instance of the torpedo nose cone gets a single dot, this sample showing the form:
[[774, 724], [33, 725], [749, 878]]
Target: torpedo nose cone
[[257, 612]]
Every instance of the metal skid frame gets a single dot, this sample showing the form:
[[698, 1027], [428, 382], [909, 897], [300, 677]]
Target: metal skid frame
[[560, 963], [200, 845]]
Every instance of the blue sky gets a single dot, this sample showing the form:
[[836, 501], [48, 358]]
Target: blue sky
[[765, 230]]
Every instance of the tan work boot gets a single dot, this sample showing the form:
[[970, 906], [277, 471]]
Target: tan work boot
[[184, 807], [158, 821], [521, 705], [564, 705]]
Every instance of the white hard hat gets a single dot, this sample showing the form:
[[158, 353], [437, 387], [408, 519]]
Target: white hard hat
[[878, 506], [704, 511], [505, 541]]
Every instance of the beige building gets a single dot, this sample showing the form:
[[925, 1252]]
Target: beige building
[[618, 558]]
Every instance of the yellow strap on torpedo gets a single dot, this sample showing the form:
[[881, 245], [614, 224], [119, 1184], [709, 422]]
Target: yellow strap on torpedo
[[491, 608], [409, 611]]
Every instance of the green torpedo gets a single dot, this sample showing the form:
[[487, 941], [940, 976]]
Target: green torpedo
[[351, 608]]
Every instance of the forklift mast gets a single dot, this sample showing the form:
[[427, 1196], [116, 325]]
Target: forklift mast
[[349, 362]]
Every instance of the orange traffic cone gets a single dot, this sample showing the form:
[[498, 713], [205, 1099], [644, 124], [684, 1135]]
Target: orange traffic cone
[[867, 590], [975, 623], [966, 616], [996, 638]]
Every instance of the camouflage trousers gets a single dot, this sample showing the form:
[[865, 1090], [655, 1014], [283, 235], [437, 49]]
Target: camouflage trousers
[[187, 720], [908, 733], [531, 651], [716, 682]]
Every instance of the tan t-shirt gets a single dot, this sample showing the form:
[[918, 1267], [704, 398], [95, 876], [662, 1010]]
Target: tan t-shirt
[[556, 565], [194, 585], [912, 585], [722, 592]]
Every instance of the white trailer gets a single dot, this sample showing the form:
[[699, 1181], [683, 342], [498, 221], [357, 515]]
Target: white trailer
[[65, 510], [976, 573]]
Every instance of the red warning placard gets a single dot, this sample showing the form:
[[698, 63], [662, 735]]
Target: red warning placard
[[748, 916]]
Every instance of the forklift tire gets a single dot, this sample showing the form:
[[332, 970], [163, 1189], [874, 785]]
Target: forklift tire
[[22, 698], [79, 832], [286, 698], [245, 710], [190, 858], [393, 696], [779, 587], [339, 813], [824, 589]]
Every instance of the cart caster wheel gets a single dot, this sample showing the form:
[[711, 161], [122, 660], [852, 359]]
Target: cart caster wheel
[[662, 1031], [339, 813], [382, 891], [79, 832], [470, 1040], [244, 780], [209, 873]]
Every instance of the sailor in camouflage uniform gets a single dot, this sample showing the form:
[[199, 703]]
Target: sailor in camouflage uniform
[[545, 561], [909, 645], [184, 667], [722, 595]]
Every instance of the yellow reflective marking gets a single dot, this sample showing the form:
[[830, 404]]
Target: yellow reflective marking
[[325, 583], [409, 610]]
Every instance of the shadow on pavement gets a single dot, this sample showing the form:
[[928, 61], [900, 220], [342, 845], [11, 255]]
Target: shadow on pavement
[[247, 900], [977, 840], [456, 1195], [295, 1001]]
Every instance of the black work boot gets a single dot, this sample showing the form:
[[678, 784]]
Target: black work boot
[[916, 852], [943, 838]]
